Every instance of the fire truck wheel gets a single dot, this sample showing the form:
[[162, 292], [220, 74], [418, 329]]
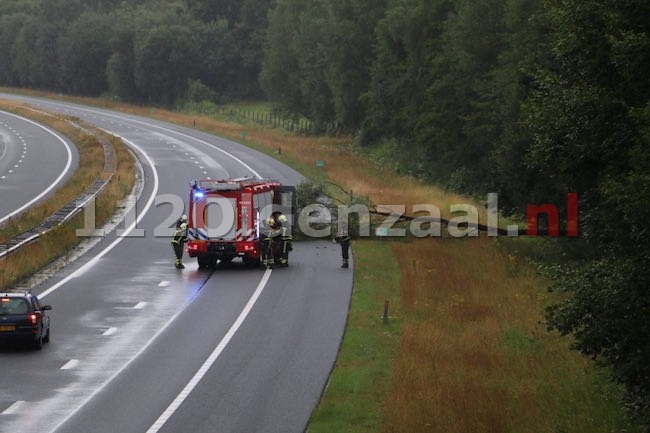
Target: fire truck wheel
[[205, 261], [251, 261]]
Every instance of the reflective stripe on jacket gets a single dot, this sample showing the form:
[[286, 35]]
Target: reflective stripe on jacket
[[180, 234]]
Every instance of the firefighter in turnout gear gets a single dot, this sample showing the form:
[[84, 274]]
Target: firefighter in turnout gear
[[179, 239], [343, 238], [285, 242], [276, 241]]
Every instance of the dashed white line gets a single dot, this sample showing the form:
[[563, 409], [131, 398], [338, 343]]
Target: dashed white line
[[139, 305], [56, 181], [109, 331], [70, 364], [164, 284], [13, 408]]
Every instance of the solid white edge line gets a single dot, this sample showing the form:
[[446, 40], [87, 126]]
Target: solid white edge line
[[162, 419], [112, 245], [101, 254], [56, 181], [215, 147]]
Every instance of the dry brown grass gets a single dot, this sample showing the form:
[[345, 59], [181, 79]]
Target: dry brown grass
[[342, 165], [91, 163], [53, 244], [474, 354]]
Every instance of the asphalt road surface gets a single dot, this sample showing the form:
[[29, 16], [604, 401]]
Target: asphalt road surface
[[34, 161], [139, 346]]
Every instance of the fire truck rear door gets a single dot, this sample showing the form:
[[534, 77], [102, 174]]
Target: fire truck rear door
[[221, 217]]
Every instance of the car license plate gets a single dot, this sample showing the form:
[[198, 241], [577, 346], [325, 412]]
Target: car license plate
[[5, 328]]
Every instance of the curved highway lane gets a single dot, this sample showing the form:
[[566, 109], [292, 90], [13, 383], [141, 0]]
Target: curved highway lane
[[138, 346], [34, 161]]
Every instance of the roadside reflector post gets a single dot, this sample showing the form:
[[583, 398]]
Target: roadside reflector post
[[386, 304]]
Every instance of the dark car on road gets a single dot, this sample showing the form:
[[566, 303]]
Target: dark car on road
[[24, 319]]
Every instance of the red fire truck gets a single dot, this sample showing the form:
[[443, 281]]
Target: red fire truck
[[225, 217]]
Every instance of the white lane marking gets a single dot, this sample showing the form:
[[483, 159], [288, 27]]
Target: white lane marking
[[162, 419], [56, 181], [109, 331], [169, 130], [13, 408], [70, 364], [93, 261], [164, 284], [126, 365], [139, 305], [128, 230]]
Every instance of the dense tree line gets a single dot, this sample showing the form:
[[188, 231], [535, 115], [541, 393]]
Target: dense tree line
[[144, 51], [531, 99]]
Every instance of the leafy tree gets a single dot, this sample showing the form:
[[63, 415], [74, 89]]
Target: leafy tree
[[409, 98], [590, 120], [312, 39], [218, 56], [27, 54], [83, 53], [11, 24], [120, 67], [211, 10], [248, 36], [507, 170], [280, 74], [350, 54], [163, 55]]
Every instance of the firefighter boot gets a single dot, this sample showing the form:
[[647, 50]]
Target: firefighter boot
[[345, 264], [179, 265]]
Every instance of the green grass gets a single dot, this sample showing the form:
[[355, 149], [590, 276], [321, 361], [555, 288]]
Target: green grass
[[247, 113], [362, 376], [465, 349]]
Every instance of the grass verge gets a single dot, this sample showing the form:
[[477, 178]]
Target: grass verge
[[466, 349], [475, 356], [362, 375]]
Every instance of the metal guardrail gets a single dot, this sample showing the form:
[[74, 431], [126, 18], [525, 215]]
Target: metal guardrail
[[72, 208]]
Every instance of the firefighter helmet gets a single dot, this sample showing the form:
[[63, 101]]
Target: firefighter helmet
[[282, 219], [183, 218]]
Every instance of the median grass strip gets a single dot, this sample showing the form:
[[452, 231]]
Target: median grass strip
[[57, 242]]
